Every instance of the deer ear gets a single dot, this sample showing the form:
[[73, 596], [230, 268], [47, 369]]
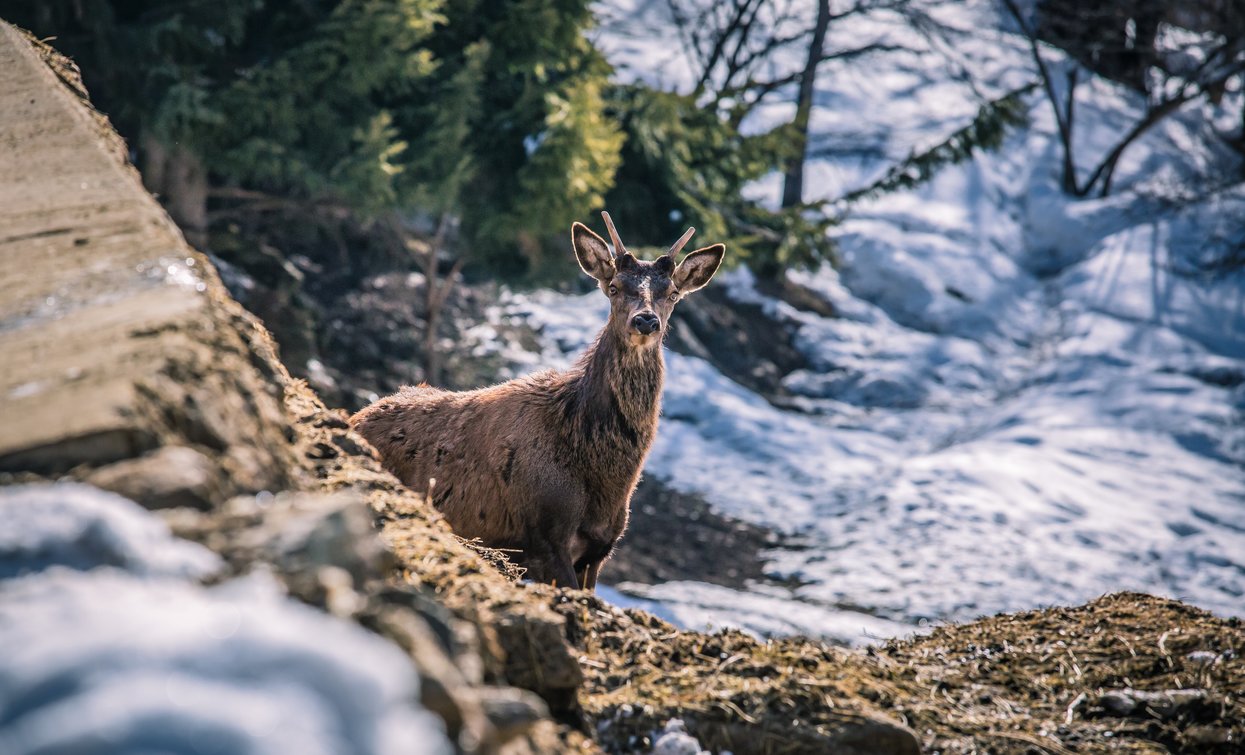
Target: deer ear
[[697, 268], [592, 252]]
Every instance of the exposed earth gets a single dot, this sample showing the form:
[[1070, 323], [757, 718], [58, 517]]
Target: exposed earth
[[676, 536]]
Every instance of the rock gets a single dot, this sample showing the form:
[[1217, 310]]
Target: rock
[[353, 444], [1208, 735], [307, 536], [1135, 703], [459, 639], [168, 477], [1204, 657], [537, 656], [443, 689], [118, 338], [849, 734], [511, 711], [674, 740]]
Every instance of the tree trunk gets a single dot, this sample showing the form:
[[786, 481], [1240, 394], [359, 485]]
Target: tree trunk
[[177, 177], [438, 290], [793, 184]]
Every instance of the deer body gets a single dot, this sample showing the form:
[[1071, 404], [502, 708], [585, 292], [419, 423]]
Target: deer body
[[546, 464]]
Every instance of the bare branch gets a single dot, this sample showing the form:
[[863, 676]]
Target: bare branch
[[1061, 122], [1217, 67], [759, 90], [739, 11], [1105, 171]]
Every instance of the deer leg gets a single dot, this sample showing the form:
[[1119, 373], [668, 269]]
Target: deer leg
[[582, 575], [590, 576], [534, 558], [563, 571]]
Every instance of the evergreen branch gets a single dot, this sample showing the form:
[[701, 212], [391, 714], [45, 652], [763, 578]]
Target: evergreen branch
[[985, 132]]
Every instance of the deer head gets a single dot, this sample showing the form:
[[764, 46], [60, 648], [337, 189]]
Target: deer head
[[642, 294]]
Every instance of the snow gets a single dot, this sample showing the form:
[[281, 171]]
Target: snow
[[763, 610], [112, 646], [674, 740], [82, 527], [1028, 398]]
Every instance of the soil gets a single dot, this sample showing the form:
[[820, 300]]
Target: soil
[[1032, 682], [742, 340], [677, 536]]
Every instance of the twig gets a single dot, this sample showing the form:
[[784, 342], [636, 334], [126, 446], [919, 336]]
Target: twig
[[1076, 703]]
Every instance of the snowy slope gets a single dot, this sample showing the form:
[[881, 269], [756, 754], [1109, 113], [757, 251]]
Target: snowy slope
[[110, 646], [1028, 399]]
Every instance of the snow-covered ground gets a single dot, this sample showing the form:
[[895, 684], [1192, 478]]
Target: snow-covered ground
[[1027, 400], [111, 645]]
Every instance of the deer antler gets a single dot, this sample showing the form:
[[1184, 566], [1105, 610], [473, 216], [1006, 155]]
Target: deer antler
[[609, 226], [678, 245]]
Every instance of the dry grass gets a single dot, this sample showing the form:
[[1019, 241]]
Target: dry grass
[[1018, 683], [1031, 682]]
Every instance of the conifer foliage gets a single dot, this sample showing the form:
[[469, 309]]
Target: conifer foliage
[[492, 111]]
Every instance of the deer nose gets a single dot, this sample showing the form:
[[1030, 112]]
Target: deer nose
[[645, 323]]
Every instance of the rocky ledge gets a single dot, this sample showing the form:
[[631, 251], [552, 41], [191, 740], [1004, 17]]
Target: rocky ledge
[[254, 579]]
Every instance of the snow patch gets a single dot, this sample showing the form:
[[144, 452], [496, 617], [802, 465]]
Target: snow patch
[[111, 646], [82, 527], [109, 662]]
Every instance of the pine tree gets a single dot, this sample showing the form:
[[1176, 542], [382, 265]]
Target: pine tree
[[491, 111], [284, 98], [684, 164], [986, 132], [543, 150]]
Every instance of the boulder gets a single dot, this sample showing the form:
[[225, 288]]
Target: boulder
[[168, 477]]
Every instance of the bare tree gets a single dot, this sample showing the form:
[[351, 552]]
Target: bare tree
[[736, 46], [793, 178], [438, 288], [1219, 59], [428, 253]]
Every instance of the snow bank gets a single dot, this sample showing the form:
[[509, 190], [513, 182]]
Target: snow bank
[[82, 527], [109, 647]]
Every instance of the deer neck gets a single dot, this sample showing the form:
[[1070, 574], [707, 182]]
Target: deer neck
[[619, 396]]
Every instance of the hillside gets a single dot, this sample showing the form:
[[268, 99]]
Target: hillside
[[245, 600], [1010, 396], [162, 388]]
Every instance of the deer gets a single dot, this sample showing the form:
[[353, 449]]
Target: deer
[[544, 466]]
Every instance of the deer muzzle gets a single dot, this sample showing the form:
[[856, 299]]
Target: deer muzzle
[[646, 323]]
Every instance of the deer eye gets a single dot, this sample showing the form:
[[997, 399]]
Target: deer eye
[[674, 296], [613, 289]]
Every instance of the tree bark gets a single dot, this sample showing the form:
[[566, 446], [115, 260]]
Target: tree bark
[[793, 183]]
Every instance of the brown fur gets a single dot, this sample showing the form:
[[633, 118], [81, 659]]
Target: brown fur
[[546, 464]]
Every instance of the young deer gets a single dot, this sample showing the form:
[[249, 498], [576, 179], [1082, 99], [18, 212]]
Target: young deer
[[546, 464]]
